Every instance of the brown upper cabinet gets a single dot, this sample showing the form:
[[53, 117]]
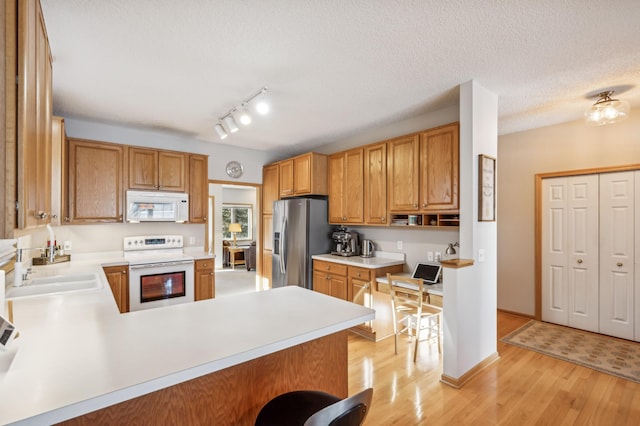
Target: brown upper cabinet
[[96, 182], [346, 195], [151, 170], [303, 175], [422, 170], [439, 160], [198, 188], [33, 96], [375, 184], [270, 192]]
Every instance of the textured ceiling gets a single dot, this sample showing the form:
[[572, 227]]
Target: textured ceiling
[[335, 67]]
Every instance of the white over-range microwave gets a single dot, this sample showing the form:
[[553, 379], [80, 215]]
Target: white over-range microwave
[[156, 206]]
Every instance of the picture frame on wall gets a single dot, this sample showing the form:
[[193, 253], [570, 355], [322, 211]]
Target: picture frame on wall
[[486, 188]]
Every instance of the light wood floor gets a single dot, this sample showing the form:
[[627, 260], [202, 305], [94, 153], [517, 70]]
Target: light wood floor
[[521, 388]]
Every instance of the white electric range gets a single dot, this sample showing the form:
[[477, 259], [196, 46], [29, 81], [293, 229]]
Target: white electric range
[[160, 274]]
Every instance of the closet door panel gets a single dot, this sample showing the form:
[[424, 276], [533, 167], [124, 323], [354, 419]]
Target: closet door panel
[[617, 240], [554, 252], [582, 223]]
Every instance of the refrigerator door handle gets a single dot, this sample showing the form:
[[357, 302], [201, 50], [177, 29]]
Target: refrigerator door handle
[[283, 246]]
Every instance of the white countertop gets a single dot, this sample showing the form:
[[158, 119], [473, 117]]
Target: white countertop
[[76, 353], [381, 260]]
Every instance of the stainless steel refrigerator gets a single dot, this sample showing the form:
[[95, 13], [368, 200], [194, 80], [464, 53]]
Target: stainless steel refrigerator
[[300, 230]]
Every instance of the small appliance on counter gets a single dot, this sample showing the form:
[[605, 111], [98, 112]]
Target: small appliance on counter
[[367, 248], [345, 243]]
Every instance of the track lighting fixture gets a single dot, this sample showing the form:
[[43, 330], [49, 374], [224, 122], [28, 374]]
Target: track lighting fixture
[[230, 123], [242, 114], [222, 134], [606, 110]]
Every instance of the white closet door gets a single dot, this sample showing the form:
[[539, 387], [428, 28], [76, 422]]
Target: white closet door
[[617, 240], [554, 251], [570, 251], [583, 252]]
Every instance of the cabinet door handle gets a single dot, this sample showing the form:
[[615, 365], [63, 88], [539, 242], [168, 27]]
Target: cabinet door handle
[[424, 204], [415, 205], [579, 261], [124, 272], [619, 264], [382, 219]]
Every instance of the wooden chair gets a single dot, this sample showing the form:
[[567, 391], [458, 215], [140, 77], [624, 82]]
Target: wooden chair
[[410, 311]]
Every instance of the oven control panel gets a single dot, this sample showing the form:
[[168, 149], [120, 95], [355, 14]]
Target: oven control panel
[[152, 242]]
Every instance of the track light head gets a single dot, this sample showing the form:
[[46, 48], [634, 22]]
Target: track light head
[[220, 131], [230, 123], [244, 117]]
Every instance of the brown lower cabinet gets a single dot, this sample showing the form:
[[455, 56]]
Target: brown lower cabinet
[[205, 280], [355, 284], [118, 277]]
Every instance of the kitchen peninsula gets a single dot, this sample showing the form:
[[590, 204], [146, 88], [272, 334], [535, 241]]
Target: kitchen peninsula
[[215, 361]]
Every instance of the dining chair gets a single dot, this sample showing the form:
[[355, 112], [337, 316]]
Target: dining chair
[[410, 311]]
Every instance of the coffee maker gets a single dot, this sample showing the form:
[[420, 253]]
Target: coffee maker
[[345, 243]]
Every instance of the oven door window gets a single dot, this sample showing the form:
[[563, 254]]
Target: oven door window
[[162, 286]]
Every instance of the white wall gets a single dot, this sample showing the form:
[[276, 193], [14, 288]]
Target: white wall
[[568, 146], [470, 293]]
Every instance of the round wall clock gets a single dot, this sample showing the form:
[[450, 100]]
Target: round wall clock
[[234, 169]]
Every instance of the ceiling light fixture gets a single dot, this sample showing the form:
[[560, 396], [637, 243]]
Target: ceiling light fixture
[[606, 110], [230, 123], [244, 117], [242, 114], [220, 131]]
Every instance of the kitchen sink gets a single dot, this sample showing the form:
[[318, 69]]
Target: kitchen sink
[[56, 284]]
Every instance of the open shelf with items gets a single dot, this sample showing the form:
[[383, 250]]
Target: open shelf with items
[[430, 220]]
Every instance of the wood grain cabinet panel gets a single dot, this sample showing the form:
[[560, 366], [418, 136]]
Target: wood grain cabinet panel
[[331, 279], [402, 173], [118, 278], [270, 190], [375, 184], [152, 170], [198, 188], [346, 180], [205, 283], [96, 181], [286, 178], [305, 174], [34, 115], [439, 161], [422, 171]]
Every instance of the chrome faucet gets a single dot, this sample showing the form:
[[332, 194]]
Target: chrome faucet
[[20, 274]]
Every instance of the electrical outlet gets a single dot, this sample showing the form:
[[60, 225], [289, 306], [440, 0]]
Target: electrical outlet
[[430, 256], [481, 255], [192, 241], [400, 244], [66, 245], [438, 256]]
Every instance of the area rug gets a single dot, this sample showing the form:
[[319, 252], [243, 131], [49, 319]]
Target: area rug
[[606, 354]]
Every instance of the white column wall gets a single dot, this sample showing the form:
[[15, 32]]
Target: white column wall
[[470, 293]]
